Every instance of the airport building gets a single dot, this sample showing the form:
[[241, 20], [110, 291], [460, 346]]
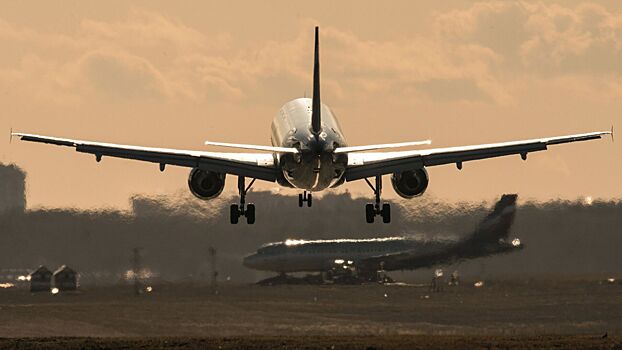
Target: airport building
[[40, 279], [65, 279]]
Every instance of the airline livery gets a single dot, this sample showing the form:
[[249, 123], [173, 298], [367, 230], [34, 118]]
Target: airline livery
[[366, 257], [309, 152]]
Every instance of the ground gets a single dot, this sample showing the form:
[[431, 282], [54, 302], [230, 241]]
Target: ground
[[506, 314]]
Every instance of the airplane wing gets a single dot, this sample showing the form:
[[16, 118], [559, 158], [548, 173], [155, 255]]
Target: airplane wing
[[255, 165], [362, 165]]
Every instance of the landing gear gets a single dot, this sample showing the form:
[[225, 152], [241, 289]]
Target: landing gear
[[371, 210], [305, 197], [247, 211]]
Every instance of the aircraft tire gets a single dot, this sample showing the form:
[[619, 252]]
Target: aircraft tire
[[309, 200], [369, 213], [300, 200], [235, 214], [386, 213], [250, 214]]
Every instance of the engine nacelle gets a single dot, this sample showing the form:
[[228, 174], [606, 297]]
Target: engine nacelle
[[410, 183], [205, 184]]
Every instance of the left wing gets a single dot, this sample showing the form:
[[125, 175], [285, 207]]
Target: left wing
[[255, 165], [363, 165]]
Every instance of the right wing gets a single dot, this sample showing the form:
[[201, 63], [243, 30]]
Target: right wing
[[362, 165], [254, 165]]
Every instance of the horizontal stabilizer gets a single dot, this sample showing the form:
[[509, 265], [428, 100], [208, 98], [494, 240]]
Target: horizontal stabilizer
[[381, 146], [254, 147]]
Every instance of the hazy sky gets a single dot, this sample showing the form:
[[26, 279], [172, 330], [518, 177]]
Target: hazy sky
[[173, 74]]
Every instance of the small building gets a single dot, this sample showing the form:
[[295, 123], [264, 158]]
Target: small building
[[65, 279], [40, 279]]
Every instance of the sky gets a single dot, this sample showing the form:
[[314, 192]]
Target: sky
[[174, 74]]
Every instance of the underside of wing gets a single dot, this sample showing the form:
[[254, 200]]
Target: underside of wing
[[362, 165], [256, 165]]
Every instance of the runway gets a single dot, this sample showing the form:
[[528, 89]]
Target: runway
[[531, 310]]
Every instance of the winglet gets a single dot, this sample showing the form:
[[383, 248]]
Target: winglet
[[316, 118], [612, 138], [10, 135]]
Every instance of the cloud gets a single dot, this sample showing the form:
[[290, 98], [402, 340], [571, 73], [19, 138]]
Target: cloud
[[474, 55], [411, 67], [148, 54], [541, 38], [122, 75], [143, 29]]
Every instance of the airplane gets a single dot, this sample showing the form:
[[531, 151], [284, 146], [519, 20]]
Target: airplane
[[366, 257], [309, 152]]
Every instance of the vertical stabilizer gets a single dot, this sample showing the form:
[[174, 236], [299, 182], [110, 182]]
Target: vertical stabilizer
[[496, 226], [316, 118]]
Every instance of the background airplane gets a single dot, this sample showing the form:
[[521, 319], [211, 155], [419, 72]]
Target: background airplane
[[368, 256], [309, 152]]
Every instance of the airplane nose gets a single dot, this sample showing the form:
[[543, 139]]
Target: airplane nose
[[250, 261]]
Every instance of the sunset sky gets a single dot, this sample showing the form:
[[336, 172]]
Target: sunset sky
[[174, 74]]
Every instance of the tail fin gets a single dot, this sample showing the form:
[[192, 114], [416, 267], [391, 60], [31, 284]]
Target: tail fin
[[316, 118], [496, 226]]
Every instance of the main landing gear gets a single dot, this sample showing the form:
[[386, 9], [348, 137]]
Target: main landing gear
[[305, 197], [371, 210], [243, 210]]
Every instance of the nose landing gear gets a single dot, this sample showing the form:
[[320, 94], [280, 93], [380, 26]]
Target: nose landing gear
[[371, 210], [247, 211], [305, 197]]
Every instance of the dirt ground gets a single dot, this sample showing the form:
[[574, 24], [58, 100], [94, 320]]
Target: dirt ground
[[501, 314], [322, 342]]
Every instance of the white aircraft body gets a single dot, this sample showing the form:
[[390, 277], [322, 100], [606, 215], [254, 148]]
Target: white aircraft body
[[366, 257], [309, 152]]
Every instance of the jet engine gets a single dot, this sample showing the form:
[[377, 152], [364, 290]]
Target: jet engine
[[410, 183], [205, 184]]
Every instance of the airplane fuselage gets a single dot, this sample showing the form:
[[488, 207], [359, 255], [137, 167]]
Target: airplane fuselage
[[298, 256], [315, 167]]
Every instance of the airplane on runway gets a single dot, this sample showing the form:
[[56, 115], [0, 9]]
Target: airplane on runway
[[365, 258], [309, 152]]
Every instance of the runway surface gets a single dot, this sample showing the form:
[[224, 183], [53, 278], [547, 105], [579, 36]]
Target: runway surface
[[535, 313]]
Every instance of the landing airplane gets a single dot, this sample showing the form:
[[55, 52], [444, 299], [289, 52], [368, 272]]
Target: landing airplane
[[309, 152], [368, 256]]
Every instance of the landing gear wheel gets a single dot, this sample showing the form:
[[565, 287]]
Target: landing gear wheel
[[370, 213], [371, 210], [242, 209], [250, 214], [305, 197], [235, 214], [386, 213]]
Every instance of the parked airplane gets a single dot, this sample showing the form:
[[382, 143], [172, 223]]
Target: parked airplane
[[368, 256], [309, 152]]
